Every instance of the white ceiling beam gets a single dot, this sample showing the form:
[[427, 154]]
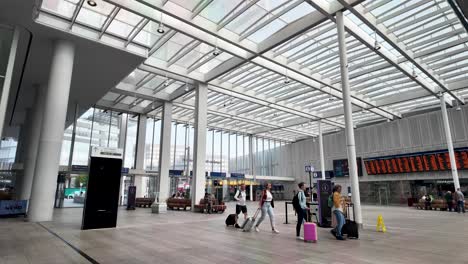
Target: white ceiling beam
[[205, 30], [372, 22]]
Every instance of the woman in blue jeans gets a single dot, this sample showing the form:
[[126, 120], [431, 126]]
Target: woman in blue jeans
[[337, 209], [267, 205]]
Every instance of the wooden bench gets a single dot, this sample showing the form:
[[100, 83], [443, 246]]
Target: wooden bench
[[178, 203], [144, 202], [216, 206]]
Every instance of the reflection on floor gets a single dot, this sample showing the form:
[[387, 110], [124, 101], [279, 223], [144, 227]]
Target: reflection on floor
[[185, 237]]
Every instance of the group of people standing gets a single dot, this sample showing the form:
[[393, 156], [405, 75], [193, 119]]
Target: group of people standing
[[459, 199]]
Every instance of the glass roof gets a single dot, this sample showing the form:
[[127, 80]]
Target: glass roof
[[401, 55]]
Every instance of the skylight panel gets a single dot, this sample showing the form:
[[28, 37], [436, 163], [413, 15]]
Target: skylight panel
[[218, 9], [95, 16], [62, 8]]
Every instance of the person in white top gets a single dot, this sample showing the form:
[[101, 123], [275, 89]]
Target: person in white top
[[240, 197], [267, 205]]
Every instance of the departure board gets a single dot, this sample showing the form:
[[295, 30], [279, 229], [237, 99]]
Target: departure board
[[416, 162]]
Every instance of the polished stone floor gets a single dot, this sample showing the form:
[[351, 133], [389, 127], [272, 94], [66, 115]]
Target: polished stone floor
[[183, 237]]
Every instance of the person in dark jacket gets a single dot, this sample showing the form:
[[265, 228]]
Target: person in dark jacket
[[449, 200], [267, 205]]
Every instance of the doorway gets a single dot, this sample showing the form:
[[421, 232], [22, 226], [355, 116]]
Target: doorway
[[383, 196]]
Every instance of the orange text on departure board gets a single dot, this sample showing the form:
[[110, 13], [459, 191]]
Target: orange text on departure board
[[440, 160], [426, 163], [433, 160], [419, 163], [395, 166]]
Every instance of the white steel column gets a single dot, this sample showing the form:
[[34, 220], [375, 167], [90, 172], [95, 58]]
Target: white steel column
[[252, 165], [33, 144], [140, 154], [199, 153], [322, 157], [448, 136], [122, 145], [349, 126], [52, 129], [8, 77], [164, 159]]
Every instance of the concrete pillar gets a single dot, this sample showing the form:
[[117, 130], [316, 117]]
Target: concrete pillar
[[52, 128], [33, 144], [140, 155], [351, 145], [448, 136], [322, 157], [164, 160], [199, 153], [5, 92], [25, 130]]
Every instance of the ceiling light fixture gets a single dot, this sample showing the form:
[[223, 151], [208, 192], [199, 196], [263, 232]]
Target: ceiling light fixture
[[153, 106], [160, 29], [458, 106], [216, 51], [187, 87], [166, 82], [92, 3], [388, 120], [376, 43], [286, 80]]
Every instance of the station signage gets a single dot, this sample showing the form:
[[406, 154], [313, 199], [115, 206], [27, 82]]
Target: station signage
[[438, 160]]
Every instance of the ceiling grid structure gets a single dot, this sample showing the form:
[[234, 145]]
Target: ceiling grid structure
[[272, 66]]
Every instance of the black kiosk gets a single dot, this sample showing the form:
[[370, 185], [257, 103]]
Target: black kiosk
[[102, 196], [324, 190]]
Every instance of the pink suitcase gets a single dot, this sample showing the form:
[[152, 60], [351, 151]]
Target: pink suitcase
[[310, 232]]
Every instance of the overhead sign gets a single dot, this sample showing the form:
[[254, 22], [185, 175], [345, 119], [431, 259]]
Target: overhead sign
[[215, 174], [318, 175], [238, 175], [309, 168], [176, 172]]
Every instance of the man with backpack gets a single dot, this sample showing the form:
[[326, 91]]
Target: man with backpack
[[300, 206]]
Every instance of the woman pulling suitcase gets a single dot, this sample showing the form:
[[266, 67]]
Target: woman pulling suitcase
[[267, 205]]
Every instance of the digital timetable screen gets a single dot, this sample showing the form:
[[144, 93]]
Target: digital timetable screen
[[416, 162]]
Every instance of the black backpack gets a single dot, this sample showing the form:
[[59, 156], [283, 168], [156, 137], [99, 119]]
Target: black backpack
[[295, 202]]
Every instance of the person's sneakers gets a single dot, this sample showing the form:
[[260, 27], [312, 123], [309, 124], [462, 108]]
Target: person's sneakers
[[256, 229], [340, 238], [275, 231], [333, 232], [300, 238], [237, 226]]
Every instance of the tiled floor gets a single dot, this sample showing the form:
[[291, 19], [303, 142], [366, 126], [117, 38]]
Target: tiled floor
[[182, 237]]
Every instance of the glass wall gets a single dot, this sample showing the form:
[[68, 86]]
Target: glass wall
[[225, 151]]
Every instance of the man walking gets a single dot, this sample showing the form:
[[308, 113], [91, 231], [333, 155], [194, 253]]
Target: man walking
[[240, 197], [460, 201]]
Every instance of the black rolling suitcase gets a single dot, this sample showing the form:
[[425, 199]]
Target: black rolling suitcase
[[350, 228], [231, 220]]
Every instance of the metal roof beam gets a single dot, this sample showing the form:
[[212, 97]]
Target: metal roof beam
[[391, 39]]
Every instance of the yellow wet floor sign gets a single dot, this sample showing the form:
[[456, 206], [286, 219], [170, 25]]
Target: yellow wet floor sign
[[380, 224]]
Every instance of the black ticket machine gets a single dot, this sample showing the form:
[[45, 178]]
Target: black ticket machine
[[324, 190], [102, 196]]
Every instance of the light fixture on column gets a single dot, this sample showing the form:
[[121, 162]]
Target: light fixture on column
[[160, 29], [376, 43], [91, 3], [388, 120], [440, 94]]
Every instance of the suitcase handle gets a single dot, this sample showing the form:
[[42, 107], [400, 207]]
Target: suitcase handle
[[256, 213]]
